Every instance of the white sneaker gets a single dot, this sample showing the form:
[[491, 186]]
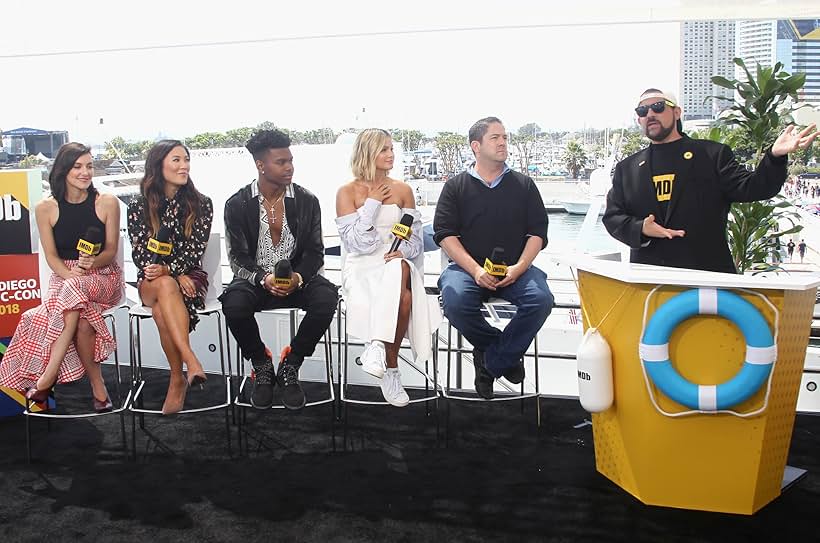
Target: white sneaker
[[392, 390], [373, 359]]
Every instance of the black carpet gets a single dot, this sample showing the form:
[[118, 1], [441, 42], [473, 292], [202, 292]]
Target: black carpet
[[499, 478]]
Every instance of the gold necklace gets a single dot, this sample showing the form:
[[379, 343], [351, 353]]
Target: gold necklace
[[271, 210]]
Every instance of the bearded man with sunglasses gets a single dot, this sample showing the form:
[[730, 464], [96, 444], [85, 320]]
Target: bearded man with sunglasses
[[670, 202]]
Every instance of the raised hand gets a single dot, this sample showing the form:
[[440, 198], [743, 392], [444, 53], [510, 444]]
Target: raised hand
[[790, 141]]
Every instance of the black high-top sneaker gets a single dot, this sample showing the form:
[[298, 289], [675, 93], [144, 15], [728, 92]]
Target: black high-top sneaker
[[483, 379], [293, 397], [515, 374], [263, 382]]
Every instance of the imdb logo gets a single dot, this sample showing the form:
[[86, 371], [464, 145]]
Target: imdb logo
[[663, 186]]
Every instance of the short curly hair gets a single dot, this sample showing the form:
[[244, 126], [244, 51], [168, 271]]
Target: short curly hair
[[263, 140]]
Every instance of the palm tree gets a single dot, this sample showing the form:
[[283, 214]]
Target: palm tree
[[575, 159]]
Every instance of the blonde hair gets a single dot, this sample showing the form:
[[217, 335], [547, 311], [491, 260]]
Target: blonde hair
[[369, 144]]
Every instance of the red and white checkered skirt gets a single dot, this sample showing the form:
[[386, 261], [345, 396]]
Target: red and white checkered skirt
[[30, 348]]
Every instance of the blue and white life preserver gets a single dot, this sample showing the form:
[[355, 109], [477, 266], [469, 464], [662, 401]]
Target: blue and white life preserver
[[761, 351]]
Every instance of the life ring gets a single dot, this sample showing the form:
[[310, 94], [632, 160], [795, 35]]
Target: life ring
[[761, 351]]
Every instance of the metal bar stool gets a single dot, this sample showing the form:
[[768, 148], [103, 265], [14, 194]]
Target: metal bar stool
[[497, 309], [241, 399], [212, 266], [345, 399], [120, 403]]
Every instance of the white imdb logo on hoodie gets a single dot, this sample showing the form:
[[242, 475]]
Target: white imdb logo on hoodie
[[10, 210]]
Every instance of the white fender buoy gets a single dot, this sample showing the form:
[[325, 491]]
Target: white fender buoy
[[595, 388]]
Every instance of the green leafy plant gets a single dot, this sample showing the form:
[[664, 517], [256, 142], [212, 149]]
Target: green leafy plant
[[765, 103], [754, 229]]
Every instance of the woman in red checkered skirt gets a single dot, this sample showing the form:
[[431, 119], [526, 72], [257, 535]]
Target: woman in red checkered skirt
[[65, 337]]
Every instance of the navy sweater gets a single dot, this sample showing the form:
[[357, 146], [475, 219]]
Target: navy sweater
[[484, 218]]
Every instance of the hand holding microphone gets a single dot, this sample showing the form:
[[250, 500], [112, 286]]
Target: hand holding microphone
[[502, 274], [401, 232], [159, 246], [89, 246], [493, 271], [281, 283]]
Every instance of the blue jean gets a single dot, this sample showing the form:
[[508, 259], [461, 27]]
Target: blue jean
[[463, 299]]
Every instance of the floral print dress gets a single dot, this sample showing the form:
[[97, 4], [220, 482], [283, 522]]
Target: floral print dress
[[186, 254]]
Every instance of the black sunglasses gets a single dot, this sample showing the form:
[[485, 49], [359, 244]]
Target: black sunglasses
[[657, 107]]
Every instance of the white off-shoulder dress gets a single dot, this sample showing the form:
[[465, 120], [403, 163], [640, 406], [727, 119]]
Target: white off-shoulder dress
[[371, 288]]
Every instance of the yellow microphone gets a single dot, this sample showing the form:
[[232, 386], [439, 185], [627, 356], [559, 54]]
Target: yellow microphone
[[495, 265], [282, 272], [402, 231], [91, 242], [159, 245]]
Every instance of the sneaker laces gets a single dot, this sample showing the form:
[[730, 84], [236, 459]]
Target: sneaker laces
[[393, 383], [264, 373], [290, 374]]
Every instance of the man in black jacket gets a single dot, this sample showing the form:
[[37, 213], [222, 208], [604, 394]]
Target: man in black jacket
[[268, 222], [670, 202]]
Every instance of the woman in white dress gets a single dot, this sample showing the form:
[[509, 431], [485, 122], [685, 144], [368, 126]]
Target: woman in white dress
[[383, 290]]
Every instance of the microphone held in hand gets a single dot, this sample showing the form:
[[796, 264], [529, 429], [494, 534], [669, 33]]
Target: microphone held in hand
[[496, 265], [282, 273], [160, 245], [91, 242], [402, 231]]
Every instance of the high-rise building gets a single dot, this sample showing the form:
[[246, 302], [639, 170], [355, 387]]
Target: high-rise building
[[707, 49], [795, 43]]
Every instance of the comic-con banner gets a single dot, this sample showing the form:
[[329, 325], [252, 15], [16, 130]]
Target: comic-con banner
[[20, 190]]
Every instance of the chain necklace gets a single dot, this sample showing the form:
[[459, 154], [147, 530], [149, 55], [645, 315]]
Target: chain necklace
[[271, 211]]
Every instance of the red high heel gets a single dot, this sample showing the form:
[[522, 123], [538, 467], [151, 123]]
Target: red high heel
[[103, 406], [38, 396]]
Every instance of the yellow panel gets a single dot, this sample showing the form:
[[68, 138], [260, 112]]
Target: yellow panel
[[20, 398], [708, 462], [16, 183]]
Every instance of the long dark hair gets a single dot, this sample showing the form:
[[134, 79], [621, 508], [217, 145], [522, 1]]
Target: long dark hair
[[152, 188], [67, 155]]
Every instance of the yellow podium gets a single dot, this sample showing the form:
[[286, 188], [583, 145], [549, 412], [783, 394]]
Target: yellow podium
[[712, 461]]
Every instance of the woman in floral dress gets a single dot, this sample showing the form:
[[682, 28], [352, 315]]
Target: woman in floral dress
[[174, 286]]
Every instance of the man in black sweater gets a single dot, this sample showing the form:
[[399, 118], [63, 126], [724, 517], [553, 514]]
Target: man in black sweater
[[670, 202], [481, 210]]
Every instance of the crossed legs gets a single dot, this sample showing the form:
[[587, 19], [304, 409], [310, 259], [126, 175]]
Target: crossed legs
[[164, 298]]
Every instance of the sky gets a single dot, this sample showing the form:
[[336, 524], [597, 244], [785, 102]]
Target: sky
[[432, 66]]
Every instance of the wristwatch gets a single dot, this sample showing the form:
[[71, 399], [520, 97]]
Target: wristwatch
[[301, 281]]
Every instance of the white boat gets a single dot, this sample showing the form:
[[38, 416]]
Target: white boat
[[578, 207]]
